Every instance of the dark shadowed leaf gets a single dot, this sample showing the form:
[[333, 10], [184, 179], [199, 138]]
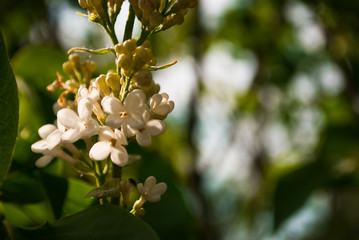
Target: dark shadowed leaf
[[9, 111], [56, 191], [294, 188], [98, 222]]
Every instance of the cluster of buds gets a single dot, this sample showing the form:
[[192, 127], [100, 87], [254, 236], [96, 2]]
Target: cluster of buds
[[160, 15], [97, 9]]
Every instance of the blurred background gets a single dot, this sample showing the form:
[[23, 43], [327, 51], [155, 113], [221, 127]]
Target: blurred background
[[264, 139]]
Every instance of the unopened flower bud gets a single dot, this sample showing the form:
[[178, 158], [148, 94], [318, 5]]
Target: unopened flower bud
[[147, 7], [83, 3], [180, 4], [140, 212], [126, 187], [129, 47], [140, 58], [193, 3], [68, 68], [155, 19], [142, 78], [75, 60], [101, 83], [113, 80], [124, 62]]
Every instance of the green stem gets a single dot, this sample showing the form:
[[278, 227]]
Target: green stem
[[143, 37], [116, 173], [129, 24]]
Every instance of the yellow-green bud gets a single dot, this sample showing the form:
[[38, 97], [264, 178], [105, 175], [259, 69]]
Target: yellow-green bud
[[129, 46], [113, 80], [83, 3], [155, 19], [147, 7], [101, 83], [140, 58], [140, 212], [76, 61], [68, 68], [124, 62], [193, 3], [119, 49], [142, 78], [89, 66], [180, 4]]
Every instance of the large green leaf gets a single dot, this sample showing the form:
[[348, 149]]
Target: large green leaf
[[9, 115], [98, 222]]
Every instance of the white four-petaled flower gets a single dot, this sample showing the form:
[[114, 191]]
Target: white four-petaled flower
[[151, 191], [49, 146], [110, 143], [129, 113], [81, 125]]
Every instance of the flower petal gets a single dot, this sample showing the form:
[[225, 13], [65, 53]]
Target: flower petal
[[149, 183], [121, 138], [100, 150], [45, 130], [68, 118], [91, 129], [134, 100], [119, 156], [111, 105], [106, 134], [160, 189], [114, 120], [85, 108], [39, 146], [155, 100], [140, 189], [54, 139], [155, 127], [143, 139], [43, 161], [71, 135]]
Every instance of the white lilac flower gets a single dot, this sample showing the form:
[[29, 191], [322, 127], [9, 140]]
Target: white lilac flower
[[160, 106], [92, 92], [110, 143], [81, 125], [143, 135], [129, 113], [151, 191], [49, 146]]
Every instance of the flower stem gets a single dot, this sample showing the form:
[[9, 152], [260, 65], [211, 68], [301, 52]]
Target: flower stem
[[129, 24], [116, 173]]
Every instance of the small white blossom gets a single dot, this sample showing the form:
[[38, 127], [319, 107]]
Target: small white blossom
[[130, 113], [151, 191], [143, 135], [81, 125], [49, 146], [110, 143], [160, 106], [92, 92]]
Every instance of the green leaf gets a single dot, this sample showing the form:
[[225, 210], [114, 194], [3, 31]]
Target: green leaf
[[56, 190], [98, 222], [9, 116], [294, 188], [38, 64], [21, 189], [111, 188]]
